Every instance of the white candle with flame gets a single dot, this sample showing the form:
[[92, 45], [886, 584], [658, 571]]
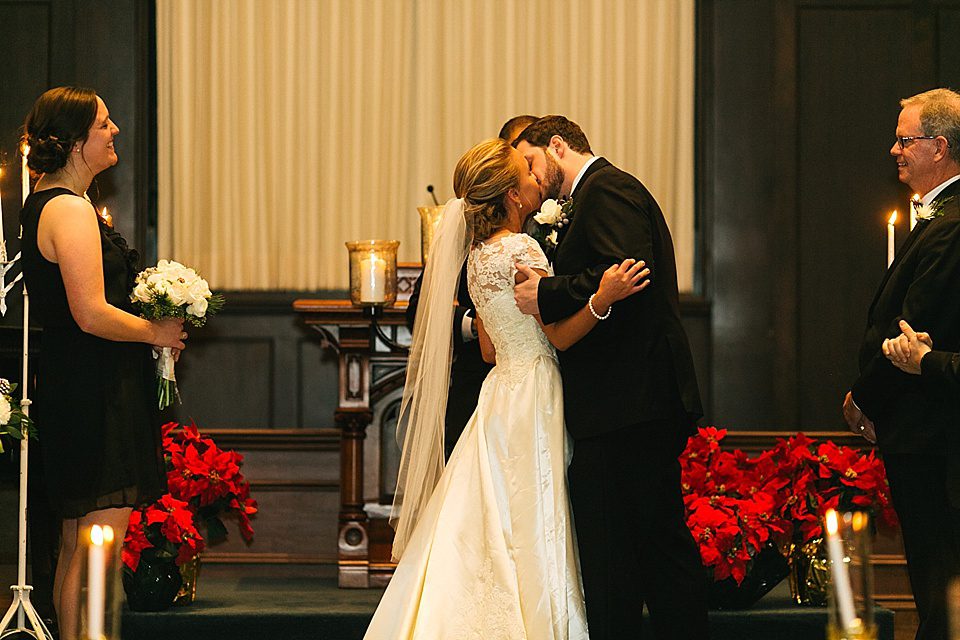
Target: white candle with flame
[[914, 203], [891, 247], [100, 539], [838, 571], [25, 174], [373, 279], [3, 244]]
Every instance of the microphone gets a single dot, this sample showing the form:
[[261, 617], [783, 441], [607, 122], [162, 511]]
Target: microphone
[[432, 194]]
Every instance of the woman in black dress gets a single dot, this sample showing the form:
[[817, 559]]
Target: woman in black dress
[[95, 408]]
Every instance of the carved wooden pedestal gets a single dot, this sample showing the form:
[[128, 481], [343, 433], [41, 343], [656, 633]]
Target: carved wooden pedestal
[[369, 373]]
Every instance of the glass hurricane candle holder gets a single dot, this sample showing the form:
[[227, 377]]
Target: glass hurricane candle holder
[[100, 586], [373, 272], [429, 219], [850, 614]]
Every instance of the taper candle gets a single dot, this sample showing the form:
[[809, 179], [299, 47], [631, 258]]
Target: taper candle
[[96, 581], [3, 244], [25, 174], [891, 246], [838, 571]]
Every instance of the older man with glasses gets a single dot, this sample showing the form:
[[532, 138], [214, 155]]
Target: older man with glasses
[[916, 427]]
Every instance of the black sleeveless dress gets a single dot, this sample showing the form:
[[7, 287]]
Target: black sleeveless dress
[[95, 407]]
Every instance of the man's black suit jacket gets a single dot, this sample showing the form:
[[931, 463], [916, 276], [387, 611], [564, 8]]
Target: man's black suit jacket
[[922, 286], [941, 369], [468, 370], [635, 366]]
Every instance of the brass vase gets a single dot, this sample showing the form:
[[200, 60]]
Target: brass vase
[[190, 574], [809, 572]]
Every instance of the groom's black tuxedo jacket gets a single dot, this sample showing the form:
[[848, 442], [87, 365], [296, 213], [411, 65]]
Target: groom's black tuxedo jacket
[[922, 286], [635, 366]]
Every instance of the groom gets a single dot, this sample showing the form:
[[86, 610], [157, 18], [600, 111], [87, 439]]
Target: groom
[[630, 393]]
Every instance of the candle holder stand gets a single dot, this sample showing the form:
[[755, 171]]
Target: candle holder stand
[[21, 608], [374, 312]]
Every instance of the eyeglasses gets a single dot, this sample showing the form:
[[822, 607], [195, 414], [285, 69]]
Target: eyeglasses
[[903, 140]]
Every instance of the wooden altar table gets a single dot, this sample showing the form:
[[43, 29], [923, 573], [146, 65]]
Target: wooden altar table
[[370, 373]]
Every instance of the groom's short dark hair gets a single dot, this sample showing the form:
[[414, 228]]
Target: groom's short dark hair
[[539, 133]]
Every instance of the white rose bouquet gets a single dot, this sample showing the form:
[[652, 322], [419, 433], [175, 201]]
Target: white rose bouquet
[[13, 421], [171, 290]]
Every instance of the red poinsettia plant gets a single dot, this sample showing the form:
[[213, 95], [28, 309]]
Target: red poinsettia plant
[[208, 479], [163, 531], [737, 506], [204, 484]]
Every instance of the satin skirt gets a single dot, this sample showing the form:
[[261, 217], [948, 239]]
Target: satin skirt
[[494, 555]]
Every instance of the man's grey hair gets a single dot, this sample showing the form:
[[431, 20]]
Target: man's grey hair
[[939, 116]]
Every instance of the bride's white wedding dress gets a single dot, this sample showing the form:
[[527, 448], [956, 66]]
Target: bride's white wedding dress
[[493, 555]]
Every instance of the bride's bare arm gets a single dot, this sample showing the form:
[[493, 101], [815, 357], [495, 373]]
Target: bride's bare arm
[[618, 282], [487, 350]]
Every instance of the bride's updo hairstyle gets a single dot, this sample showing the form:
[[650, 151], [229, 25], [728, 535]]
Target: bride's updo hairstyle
[[60, 118], [482, 178]]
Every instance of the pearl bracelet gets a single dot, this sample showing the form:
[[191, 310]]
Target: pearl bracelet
[[594, 311]]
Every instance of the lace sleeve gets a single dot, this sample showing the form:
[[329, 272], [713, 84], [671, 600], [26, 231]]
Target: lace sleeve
[[532, 255]]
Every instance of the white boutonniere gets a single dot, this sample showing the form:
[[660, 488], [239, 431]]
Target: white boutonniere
[[552, 217], [930, 211], [549, 212]]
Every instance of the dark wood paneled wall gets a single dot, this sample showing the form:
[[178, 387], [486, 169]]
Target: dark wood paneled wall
[[102, 44], [797, 106]]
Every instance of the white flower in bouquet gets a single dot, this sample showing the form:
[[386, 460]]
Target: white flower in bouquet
[[549, 212], [198, 308], [6, 411], [171, 290], [141, 293]]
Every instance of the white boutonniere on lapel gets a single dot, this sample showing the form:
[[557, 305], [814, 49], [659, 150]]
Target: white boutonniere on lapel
[[552, 217], [930, 211]]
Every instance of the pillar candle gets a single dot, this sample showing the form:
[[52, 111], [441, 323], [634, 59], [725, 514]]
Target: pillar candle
[[373, 279], [891, 247], [842, 591]]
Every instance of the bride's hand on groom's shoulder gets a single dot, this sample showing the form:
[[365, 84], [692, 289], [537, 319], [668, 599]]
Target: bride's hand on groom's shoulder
[[623, 280]]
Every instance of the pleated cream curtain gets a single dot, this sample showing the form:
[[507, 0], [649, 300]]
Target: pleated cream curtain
[[287, 127]]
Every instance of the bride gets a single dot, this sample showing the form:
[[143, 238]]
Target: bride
[[485, 547]]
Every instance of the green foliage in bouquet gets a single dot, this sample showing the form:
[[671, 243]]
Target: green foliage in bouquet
[[13, 420]]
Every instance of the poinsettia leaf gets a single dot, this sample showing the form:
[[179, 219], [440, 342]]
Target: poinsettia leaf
[[215, 528]]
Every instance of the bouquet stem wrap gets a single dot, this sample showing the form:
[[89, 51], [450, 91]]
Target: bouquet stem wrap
[[166, 379], [171, 290]]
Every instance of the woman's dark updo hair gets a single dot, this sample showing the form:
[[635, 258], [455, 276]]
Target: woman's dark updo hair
[[482, 178], [60, 118]]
